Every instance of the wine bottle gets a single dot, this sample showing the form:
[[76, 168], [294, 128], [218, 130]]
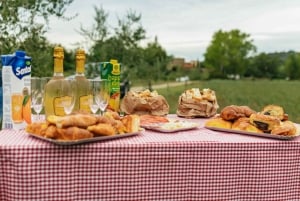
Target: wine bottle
[[54, 94], [82, 84]]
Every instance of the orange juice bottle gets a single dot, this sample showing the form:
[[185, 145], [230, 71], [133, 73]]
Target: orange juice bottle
[[16, 73], [111, 71]]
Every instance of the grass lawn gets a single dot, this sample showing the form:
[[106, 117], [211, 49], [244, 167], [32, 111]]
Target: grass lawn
[[256, 94]]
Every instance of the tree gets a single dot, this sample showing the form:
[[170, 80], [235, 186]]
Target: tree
[[23, 24], [228, 53], [155, 59], [99, 30], [292, 66], [40, 50], [264, 65], [120, 43]]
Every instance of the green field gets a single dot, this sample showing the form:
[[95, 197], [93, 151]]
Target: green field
[[256, 94]]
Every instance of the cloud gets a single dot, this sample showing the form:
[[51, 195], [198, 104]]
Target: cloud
[[185, 27]]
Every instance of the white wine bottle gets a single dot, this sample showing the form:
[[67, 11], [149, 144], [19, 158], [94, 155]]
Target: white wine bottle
[[82, 84], [54, 93]]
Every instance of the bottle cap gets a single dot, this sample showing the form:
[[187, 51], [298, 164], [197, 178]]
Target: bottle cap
[[20, 53], [80, 60], [114, 61], [80, 54], [58, 52]]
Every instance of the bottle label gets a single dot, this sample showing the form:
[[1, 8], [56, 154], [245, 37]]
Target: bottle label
[[84, 103], [111, 71], [58, 106]]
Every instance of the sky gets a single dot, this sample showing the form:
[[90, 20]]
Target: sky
[[185, 28]]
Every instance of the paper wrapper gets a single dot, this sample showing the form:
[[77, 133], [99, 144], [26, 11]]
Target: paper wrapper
[[195, 103], [144, 102]]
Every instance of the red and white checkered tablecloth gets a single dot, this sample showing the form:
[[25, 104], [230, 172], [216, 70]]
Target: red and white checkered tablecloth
[[198, 164]]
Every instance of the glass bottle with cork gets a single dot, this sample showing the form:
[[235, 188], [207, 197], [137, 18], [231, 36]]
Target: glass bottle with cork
[[82, 84], [54, 89]]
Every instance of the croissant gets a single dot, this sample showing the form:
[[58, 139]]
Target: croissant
[[78, 120], [73, 133], [51, 132], [234, 112], [37, 128], [102, 129]]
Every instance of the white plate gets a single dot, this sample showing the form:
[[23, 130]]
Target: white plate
[[94, 139], [171, 126], [268, 135]]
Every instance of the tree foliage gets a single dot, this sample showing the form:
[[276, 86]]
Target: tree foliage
[[123, 43], [292, 66], [23, 24], [228, 52], [155, 60], [264, 66], [99, 30]]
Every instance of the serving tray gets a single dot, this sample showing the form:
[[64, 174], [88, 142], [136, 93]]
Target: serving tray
[[171, 126], [88, 140], [268, 135]]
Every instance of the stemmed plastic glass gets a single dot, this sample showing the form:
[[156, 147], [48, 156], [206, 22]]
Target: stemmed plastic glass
[[94, 90], [69, 95], [103, 96], [37, 95]]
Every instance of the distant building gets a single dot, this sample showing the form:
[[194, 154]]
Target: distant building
[[176, 62], [180, 63]]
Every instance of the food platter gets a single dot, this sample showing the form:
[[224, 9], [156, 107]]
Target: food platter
[[171, 126], [87, 140], [267, 135]]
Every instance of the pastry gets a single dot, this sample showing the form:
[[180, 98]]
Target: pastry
[[285, 128], [144, 102], [197, 103], [102, 129], [208, 94], [274, 110], [244, 124], [37, 128], [78, 120], [73, 133], [81, 126], [233, 112], [219, 123], [51, 132], [131, 122], [264, 122]]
